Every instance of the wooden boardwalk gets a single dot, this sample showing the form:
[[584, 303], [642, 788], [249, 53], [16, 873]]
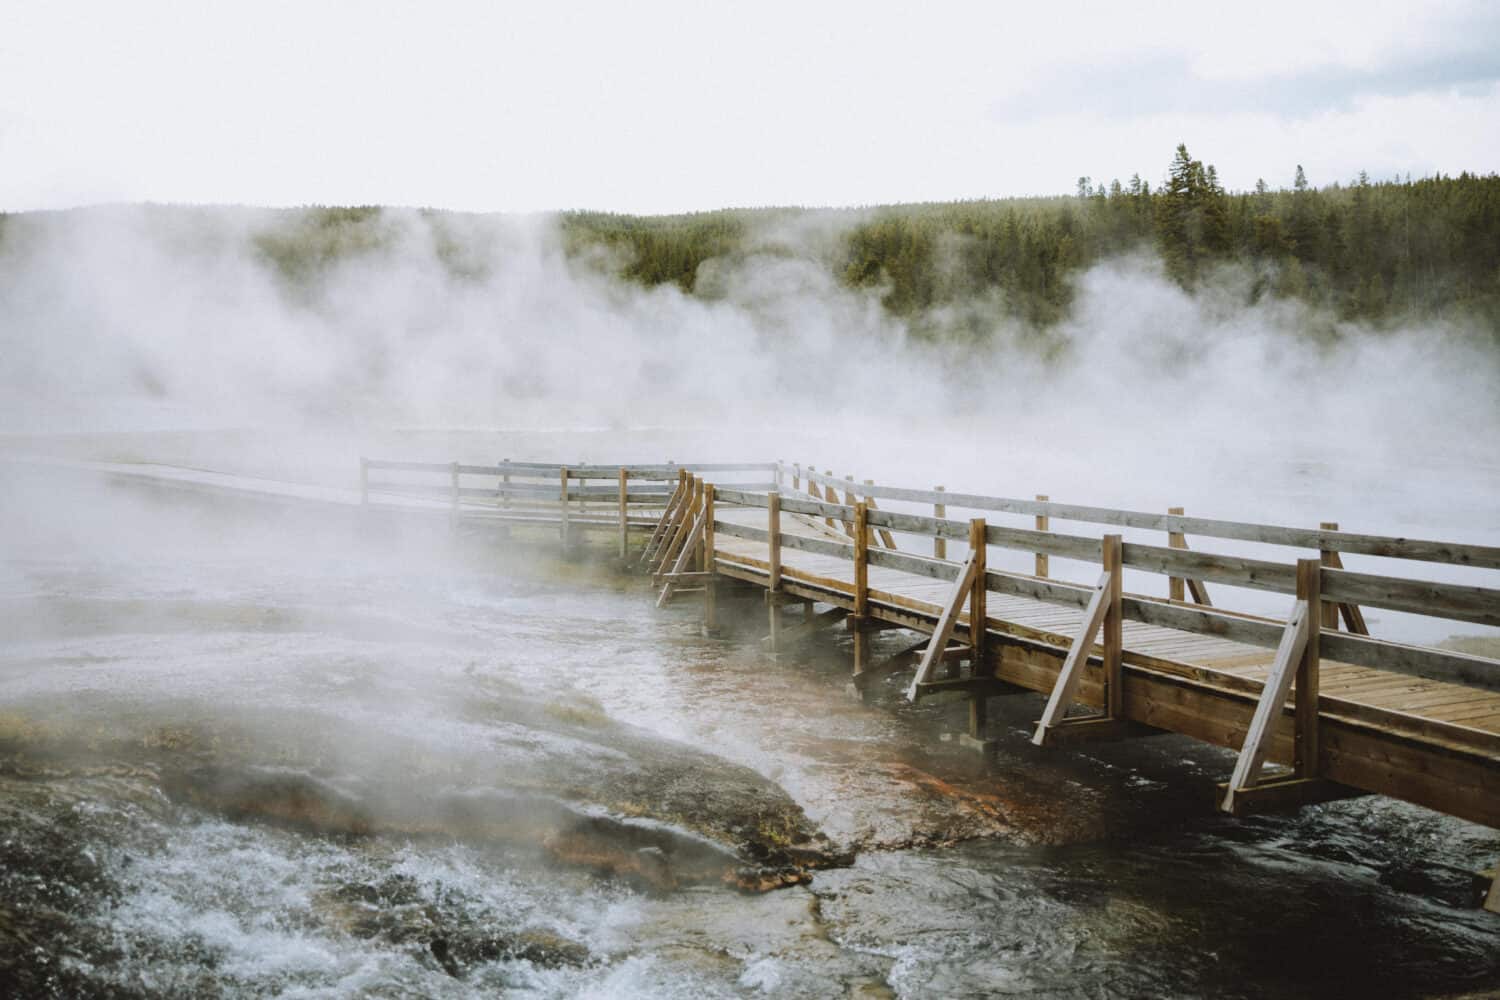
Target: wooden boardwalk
[[1334, 711]]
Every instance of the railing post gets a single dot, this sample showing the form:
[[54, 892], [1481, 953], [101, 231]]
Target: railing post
[[861, 584], [710, 610], [1309, 589], [364, 481], [777, 478], [1042, 524], [453, 489], [773, 574], [796, 476], [624, 512], [1176, 588], [978, 632], [939, 543], [1114, 641], [563, 505]]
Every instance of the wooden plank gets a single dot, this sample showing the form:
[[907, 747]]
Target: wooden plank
[[1480, 605], [1071, 674], [968, 572], [1272, 700]]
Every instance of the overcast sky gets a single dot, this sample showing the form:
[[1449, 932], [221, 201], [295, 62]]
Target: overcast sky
[[655, 107]]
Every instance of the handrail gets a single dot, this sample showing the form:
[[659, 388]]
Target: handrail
[[1422, 550]]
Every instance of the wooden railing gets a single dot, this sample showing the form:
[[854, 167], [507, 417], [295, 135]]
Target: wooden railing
[[1443, 600], [549, 493]]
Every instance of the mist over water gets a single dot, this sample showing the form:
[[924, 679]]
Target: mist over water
[[412, 677]]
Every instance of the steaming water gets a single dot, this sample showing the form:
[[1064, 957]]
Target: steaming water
[[1094, 873]]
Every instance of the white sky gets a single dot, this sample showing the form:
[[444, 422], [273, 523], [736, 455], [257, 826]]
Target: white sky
[[654, 107]]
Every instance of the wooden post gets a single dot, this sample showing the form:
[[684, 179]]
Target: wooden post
[[939, 544], [773, 576], [1176, 588], [777, 479], [710, 610], [1329, 612], [978, 616], [364, 481], [861, 585], [829, 495], [1309, 589], [1114, 642], [796, 476], [1042, 524], [563, 506], [624, 512], [453, 489]]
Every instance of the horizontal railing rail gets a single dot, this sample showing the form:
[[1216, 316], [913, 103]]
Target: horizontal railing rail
[[1393, 547]]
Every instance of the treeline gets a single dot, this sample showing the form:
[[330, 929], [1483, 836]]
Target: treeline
[[1376, 251], [1368, 250]]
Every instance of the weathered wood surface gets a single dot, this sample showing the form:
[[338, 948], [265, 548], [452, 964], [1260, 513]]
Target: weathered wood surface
[[1428, 741], [1389, 546]]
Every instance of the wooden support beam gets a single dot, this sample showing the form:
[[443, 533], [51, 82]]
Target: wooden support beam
[[1096, 729], [832, 496], [1042, 524], [773, 546], [1354, 619], [1071, 674], [939, 544], [668, 518], [1284, 793], [962, 588], [886, 538], [685, 523], [1309, 578], [690, 548], [1272, 703]]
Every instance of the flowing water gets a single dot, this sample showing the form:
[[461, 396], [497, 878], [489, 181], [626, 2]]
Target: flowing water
[[252, 750]]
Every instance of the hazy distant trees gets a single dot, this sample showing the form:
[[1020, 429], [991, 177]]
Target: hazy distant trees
[[1368, 250]]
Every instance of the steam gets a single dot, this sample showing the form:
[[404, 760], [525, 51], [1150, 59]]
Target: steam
[[151, 319]]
